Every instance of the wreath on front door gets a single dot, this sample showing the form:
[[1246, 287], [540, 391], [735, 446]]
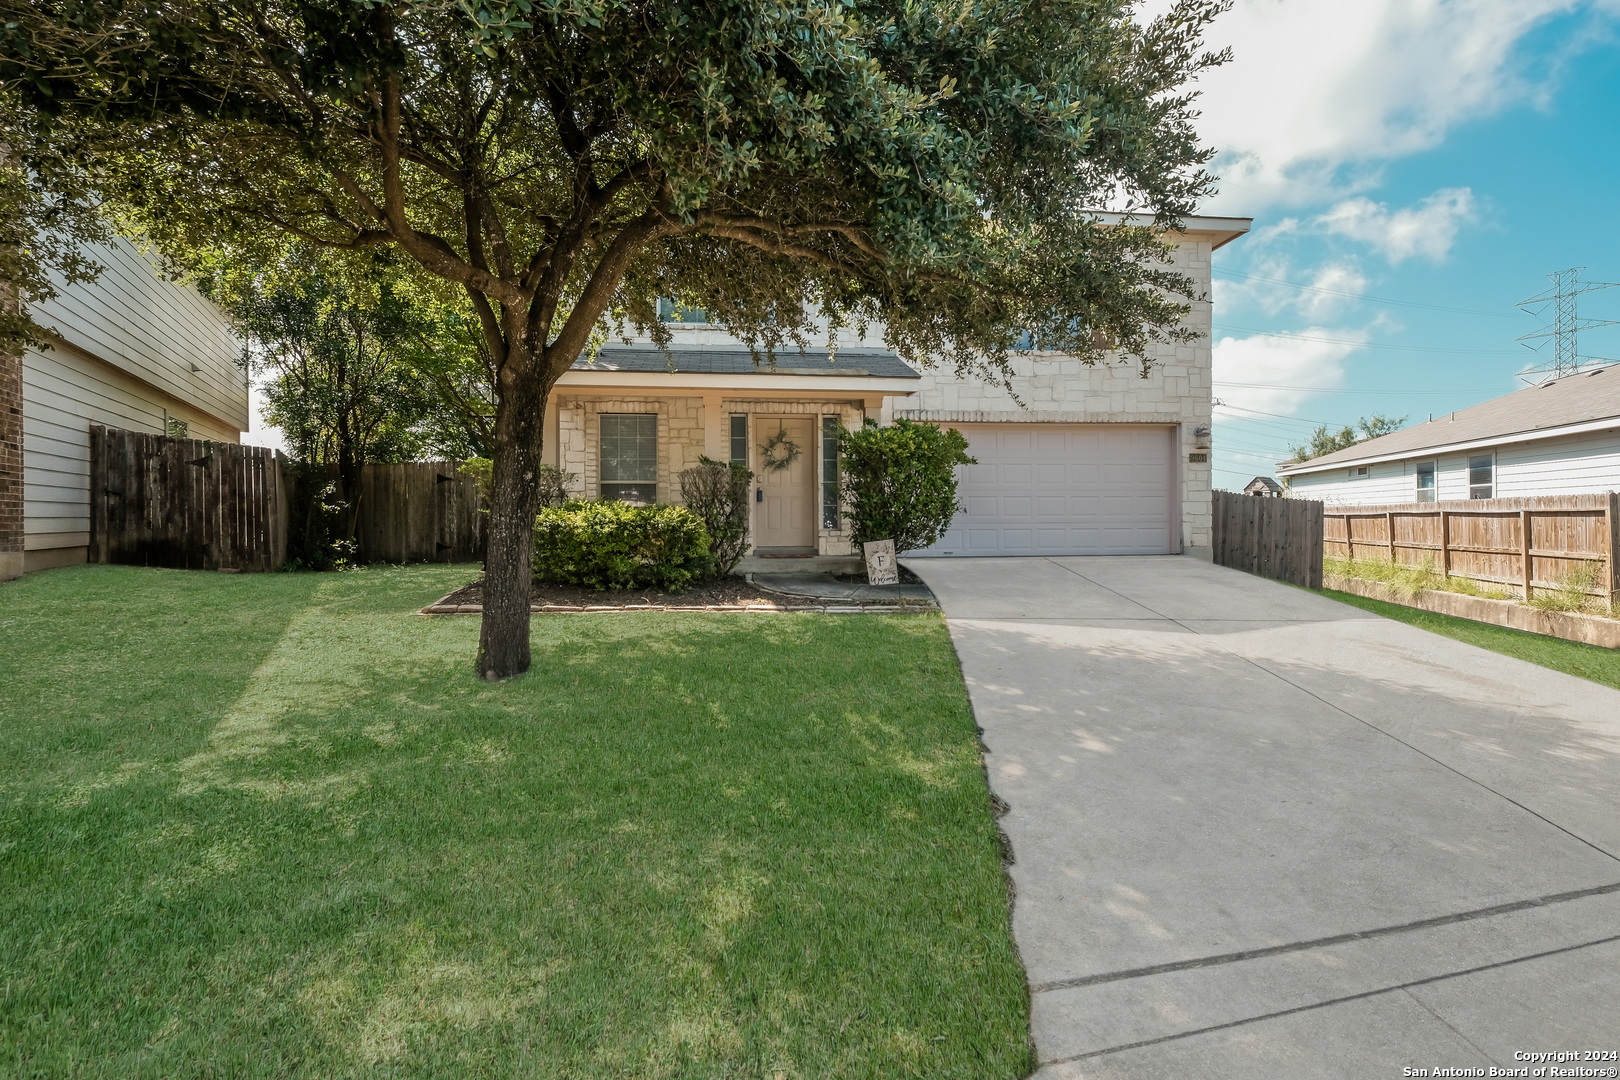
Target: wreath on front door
[[779, 452]]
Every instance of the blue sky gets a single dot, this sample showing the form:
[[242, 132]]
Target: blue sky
[[1442, 154]]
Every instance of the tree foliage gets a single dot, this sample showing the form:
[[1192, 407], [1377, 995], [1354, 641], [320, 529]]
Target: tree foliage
[[785, 165], [1325, 441], [900, 481]]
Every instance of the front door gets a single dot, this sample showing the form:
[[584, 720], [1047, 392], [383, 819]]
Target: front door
[[784, 498]]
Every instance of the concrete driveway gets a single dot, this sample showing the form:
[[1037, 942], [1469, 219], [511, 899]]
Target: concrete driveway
[[1258, 833]]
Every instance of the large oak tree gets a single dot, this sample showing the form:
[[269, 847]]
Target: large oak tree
[[932, 165]]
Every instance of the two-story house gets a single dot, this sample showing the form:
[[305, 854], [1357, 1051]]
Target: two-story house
[[1078, 460]]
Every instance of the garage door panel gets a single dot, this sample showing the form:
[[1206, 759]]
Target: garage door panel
[[1053, 489]]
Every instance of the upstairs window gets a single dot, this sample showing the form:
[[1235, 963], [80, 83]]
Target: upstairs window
[[629, 461], [670, 311], [1482, 476], [1425, 481]]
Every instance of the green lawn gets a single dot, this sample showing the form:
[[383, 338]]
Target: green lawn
[[272, 826], [1571, 657]]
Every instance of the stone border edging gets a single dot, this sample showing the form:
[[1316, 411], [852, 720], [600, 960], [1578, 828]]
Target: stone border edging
[[442, 608], [1570, 626]]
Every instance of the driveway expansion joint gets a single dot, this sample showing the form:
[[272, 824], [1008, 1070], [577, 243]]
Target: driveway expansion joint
[[1325, 942], [1334, 1001]]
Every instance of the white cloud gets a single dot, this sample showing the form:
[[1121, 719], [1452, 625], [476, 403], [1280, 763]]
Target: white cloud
[[1320, 93], [1427, 229], [1333, 288], [1276, 374]]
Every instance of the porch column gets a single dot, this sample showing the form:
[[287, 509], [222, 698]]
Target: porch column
[[716, 428]]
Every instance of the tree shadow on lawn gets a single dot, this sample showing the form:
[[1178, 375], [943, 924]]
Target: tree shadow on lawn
[[683, 845]]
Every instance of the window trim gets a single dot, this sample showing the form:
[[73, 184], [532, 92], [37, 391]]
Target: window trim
[[619, 487], [1490, 458], [830, 509], [1434, 480]]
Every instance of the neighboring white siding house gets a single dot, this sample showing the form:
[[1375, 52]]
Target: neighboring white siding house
[[130, 350], [1561, 437]]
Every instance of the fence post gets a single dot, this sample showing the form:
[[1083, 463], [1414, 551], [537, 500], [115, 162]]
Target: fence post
[[1524, 550], [1614, 546], [1445, 543]]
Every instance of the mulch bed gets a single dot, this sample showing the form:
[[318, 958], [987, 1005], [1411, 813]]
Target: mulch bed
[[727, 594], [906, 578]]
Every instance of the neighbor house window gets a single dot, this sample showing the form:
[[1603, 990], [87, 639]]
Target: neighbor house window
[[1358, 472], [671, 311], [1425, 481], [1482, 477], [829, 472], [739, 440], [630, 457]]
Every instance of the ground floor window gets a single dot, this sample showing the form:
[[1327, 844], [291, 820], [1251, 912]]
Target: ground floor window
[[1425, 481], [1482, 477], [629, 457], [829, 472], [739, 440]]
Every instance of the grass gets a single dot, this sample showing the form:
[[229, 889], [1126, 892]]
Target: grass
[[1592, 662], [272, 826]]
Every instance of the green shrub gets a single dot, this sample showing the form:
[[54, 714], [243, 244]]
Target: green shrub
[[900, 481], [318, 522], [717, 492], [605, 544]]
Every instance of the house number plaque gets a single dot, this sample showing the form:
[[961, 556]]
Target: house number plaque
[[881, 569]]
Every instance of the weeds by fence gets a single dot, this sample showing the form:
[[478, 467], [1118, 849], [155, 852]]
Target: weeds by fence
[[1543, 549]]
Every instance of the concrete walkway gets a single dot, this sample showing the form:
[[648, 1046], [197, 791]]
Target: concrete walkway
[[1262, 834]]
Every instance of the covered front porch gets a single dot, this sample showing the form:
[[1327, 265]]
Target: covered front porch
[[627, 425]]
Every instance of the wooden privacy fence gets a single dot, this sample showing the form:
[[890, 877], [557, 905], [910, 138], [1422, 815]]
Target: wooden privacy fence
[[190, 504], [1548, 542], [157, 501], [419, 511], [1274, 538]]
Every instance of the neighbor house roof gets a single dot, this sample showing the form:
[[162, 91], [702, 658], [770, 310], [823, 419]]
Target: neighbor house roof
[[691, 360], [1265, 482], [1585, 401]]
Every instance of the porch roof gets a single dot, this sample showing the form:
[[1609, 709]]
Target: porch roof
[[719, 360]]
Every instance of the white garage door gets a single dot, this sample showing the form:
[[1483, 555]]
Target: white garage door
[[1063, 489]]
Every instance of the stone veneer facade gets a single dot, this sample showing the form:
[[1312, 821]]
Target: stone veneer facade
[[688, 428], [1055, 389]]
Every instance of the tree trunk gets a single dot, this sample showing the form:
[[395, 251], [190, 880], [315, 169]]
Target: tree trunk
[[503, 642]]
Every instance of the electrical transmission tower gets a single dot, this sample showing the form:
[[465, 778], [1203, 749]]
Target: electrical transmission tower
[[1567, 324]]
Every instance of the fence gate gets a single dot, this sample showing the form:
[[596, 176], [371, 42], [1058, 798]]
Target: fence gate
[[1274, 538], [185, 503], [419, 511]]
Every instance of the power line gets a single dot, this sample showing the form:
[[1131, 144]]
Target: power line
[[1363, 296], [1280, 416], [1360, 344], [1342, 390]]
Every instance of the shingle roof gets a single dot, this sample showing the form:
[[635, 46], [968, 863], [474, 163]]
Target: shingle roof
[[1264, 481], [1580, 398], [723, 361]]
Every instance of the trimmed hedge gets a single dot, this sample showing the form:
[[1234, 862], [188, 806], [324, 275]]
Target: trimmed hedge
[[606, 544]]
